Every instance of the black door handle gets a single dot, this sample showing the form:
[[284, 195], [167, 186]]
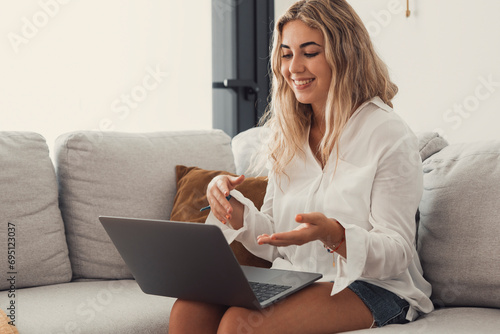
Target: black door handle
[[250, 87]]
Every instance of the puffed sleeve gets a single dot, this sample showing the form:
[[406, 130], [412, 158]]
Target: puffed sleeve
[[387, 250], [255, 223]]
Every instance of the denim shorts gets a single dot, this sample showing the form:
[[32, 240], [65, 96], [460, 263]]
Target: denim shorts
[[386, 307]]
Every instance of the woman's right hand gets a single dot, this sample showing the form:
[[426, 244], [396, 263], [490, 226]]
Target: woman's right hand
[[217, 191]]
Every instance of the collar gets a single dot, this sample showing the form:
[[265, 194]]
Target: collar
[[379, 103], [376, 101]]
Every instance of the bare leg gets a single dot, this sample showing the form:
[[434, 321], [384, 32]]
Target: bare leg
[[311, 310], [195, 317]]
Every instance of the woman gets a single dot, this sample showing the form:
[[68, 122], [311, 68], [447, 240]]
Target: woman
[[344, 174]]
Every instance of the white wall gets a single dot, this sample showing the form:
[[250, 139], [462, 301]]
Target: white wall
[[135, 65], [445, 58]]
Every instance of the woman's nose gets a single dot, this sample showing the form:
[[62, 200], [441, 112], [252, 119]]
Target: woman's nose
[[296, 65]]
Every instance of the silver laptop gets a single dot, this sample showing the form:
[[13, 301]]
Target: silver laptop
[[193, 261]]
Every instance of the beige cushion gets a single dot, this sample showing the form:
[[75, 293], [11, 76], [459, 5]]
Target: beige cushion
[[98, 307], [250, 151], [430, 143], [459, 227], [124, 174], [453, 320], [29, 206]]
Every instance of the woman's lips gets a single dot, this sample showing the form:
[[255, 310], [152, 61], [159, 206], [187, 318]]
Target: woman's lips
[[302, 83]]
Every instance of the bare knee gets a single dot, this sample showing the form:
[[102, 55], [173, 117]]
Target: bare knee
[[195, 317]]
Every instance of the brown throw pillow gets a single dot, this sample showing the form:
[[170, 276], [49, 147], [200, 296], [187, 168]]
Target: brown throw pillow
[[192, 183]]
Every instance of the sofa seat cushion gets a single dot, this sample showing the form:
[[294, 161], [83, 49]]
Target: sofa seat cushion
[[91, 307], [453, 320], [459, 224], [128, 175], [32, 240]]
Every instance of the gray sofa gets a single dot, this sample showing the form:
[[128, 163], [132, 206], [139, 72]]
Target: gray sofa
[[64, 275]]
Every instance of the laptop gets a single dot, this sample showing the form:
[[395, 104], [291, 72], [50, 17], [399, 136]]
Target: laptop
[[193, 261]]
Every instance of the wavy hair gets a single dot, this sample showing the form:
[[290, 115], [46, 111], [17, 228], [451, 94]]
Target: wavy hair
[[358, 75]]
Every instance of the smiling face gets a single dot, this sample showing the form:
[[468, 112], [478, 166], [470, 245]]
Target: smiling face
[[304, 65]]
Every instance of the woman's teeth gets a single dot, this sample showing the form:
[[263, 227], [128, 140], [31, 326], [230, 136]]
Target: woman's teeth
[[302, 82]]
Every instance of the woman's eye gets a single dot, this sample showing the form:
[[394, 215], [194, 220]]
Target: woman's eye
[[307, 55], [311, 55]]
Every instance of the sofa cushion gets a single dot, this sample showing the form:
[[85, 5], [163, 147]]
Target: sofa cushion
[[192, 185], [110, 307], [452, 320], [430, 143], [459, 224], [31, 227], [124, 174], [249, 150]]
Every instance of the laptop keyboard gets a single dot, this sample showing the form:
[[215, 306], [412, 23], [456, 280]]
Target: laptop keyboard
[[264, 291]]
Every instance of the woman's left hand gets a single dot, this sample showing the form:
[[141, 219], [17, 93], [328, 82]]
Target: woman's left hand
[[313, 226]]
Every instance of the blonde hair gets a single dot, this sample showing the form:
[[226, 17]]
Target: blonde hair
[[358, 75]]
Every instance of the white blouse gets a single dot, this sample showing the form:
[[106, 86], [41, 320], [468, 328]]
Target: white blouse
[[374, 193]]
